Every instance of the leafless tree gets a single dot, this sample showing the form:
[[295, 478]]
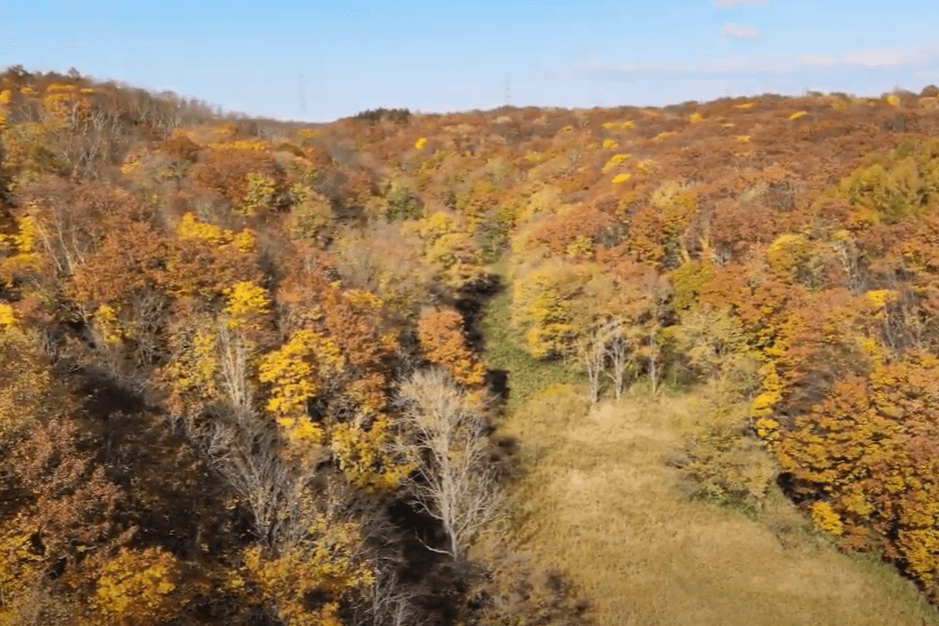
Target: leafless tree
[[607, 349], [591, 351], [454, 482], [246, 450], [619, 356], [390, 603]]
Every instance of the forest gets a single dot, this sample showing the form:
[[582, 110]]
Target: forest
[[523, 367]]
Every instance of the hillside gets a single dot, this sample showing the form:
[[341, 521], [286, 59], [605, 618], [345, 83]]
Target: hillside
[[526, 366]]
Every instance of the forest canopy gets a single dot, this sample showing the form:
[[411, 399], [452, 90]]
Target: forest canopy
[[247, 378]]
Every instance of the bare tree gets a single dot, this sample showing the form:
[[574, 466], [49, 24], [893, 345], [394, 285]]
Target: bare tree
[[591, 351], [454, 482], [390, 603], [657, 290], [247, 451], [619, 356]]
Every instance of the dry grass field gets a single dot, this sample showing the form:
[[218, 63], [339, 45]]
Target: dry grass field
[[599, 502]]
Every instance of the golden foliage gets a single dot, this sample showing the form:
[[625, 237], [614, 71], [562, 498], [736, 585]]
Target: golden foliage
[[20, 575], [7, 317], [327, 563], [615, 161], [246, 302], [259, 193], [826, 519], [25, 379], [364, 456], [190, 228], [296, 373], [135, 587], [541, 307]]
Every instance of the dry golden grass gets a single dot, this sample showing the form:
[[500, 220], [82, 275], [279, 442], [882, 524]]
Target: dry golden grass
[[599, 503]]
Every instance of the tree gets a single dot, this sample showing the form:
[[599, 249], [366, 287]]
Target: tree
[[136, 587], [307, 582], [443, 342], [453, 482], [592, 348], [542, 307]]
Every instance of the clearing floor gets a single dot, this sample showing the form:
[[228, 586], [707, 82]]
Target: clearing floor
[[599, 502]]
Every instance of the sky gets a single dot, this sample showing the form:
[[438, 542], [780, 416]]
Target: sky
[[320, 60]]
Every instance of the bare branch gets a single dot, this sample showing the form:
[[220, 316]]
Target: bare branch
[[454, 481]]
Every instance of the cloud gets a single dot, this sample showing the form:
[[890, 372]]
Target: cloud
[[739, 67], [729, 4], [866, 58], [742, 67], [734, 31]]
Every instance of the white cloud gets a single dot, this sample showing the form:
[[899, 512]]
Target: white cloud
[[742, 67], [737, 67], [863, 58], [735, 31], [729, 4]]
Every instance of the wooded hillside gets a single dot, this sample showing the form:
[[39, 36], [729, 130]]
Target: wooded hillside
[[258, 372]]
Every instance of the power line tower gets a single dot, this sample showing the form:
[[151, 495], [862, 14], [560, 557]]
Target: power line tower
[[300, 93], [508, 90]]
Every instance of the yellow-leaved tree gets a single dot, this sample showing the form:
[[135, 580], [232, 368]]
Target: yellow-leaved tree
[[304, 583], [136, 587], [296, 373]]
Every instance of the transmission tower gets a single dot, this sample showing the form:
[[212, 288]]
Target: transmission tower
[[508, 90], [300, 93]]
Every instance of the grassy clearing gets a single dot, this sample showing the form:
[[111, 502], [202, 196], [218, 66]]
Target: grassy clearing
[[599, 503], [527, 375]]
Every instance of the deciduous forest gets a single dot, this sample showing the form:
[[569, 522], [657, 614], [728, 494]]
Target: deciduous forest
[[524, 367]]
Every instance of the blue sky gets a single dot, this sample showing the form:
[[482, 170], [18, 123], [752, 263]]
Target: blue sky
[[449, 56]]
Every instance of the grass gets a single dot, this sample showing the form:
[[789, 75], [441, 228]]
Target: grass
[[599, 503], [527, 375]]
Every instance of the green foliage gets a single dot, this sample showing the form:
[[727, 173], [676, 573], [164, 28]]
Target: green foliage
[[403, 204], [723, 463], [494, 232], [398, 116], [259, 194], [903, 183], [505, 352], [688, 280], [311, 218]]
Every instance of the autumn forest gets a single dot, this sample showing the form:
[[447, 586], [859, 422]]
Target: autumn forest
[[524, 367]]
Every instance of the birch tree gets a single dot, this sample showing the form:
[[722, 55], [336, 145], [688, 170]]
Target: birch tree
[[453, 481]]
